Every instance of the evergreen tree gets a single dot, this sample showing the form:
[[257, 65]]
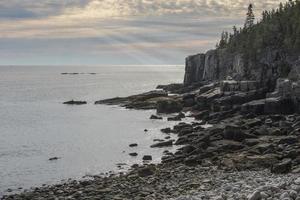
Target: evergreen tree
[[250, 17], [279, 28]]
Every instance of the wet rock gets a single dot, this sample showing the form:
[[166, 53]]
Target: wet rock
[[147, 158], [72, 102], [9, 190], [133, 145], [163, 144], [185, 131], [189, 100], [54, 158], [133, 154], [156, 117], [158, 140], [178, 117], [143, 101], [182, 126], [166, 130], [169, 106], [182, 141]]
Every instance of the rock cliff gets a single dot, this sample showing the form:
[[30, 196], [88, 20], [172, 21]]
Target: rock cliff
[[273, 76], [221, 64]]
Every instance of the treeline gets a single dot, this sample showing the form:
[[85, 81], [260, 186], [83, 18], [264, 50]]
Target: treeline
[[278, 28]]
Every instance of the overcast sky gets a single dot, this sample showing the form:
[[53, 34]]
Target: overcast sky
[[115, 32]]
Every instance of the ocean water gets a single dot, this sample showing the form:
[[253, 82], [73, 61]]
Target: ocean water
[[89, 139]]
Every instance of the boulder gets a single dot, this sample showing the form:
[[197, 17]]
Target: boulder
[[241, 97], [226, 145], [163, 144], [156, 117], [232, 132], [166, 130], [278, 106], [189, 99], [146, 171], [253, 123], [182, 140], [178, 117], [168, 106], [256, 107], [283, 167], [133, 145], [185, 131], [133, 154], [54, 158], [182, 126], [203, 115], [147, 158]]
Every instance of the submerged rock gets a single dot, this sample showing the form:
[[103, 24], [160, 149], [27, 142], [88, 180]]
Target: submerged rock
[[72, 102], [54, 158]]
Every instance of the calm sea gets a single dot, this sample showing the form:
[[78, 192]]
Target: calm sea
[[89, 139]]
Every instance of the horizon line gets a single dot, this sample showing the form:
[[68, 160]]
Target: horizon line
[[100, 65]]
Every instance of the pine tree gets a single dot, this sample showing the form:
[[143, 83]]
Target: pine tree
[[250, 17]]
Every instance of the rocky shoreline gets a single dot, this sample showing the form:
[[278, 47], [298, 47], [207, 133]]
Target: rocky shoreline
[[174, 182], [239, 146]]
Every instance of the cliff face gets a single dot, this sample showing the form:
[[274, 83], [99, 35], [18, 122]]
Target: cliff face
[[216, 65]]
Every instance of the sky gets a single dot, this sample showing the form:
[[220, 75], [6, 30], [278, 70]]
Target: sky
[[115, 32]]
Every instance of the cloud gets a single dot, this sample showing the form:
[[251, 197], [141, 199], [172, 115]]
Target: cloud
[[26, 9], [161, 30]]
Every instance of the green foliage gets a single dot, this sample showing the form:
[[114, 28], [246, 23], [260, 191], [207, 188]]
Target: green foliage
[[250, 17], [278, 28]]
